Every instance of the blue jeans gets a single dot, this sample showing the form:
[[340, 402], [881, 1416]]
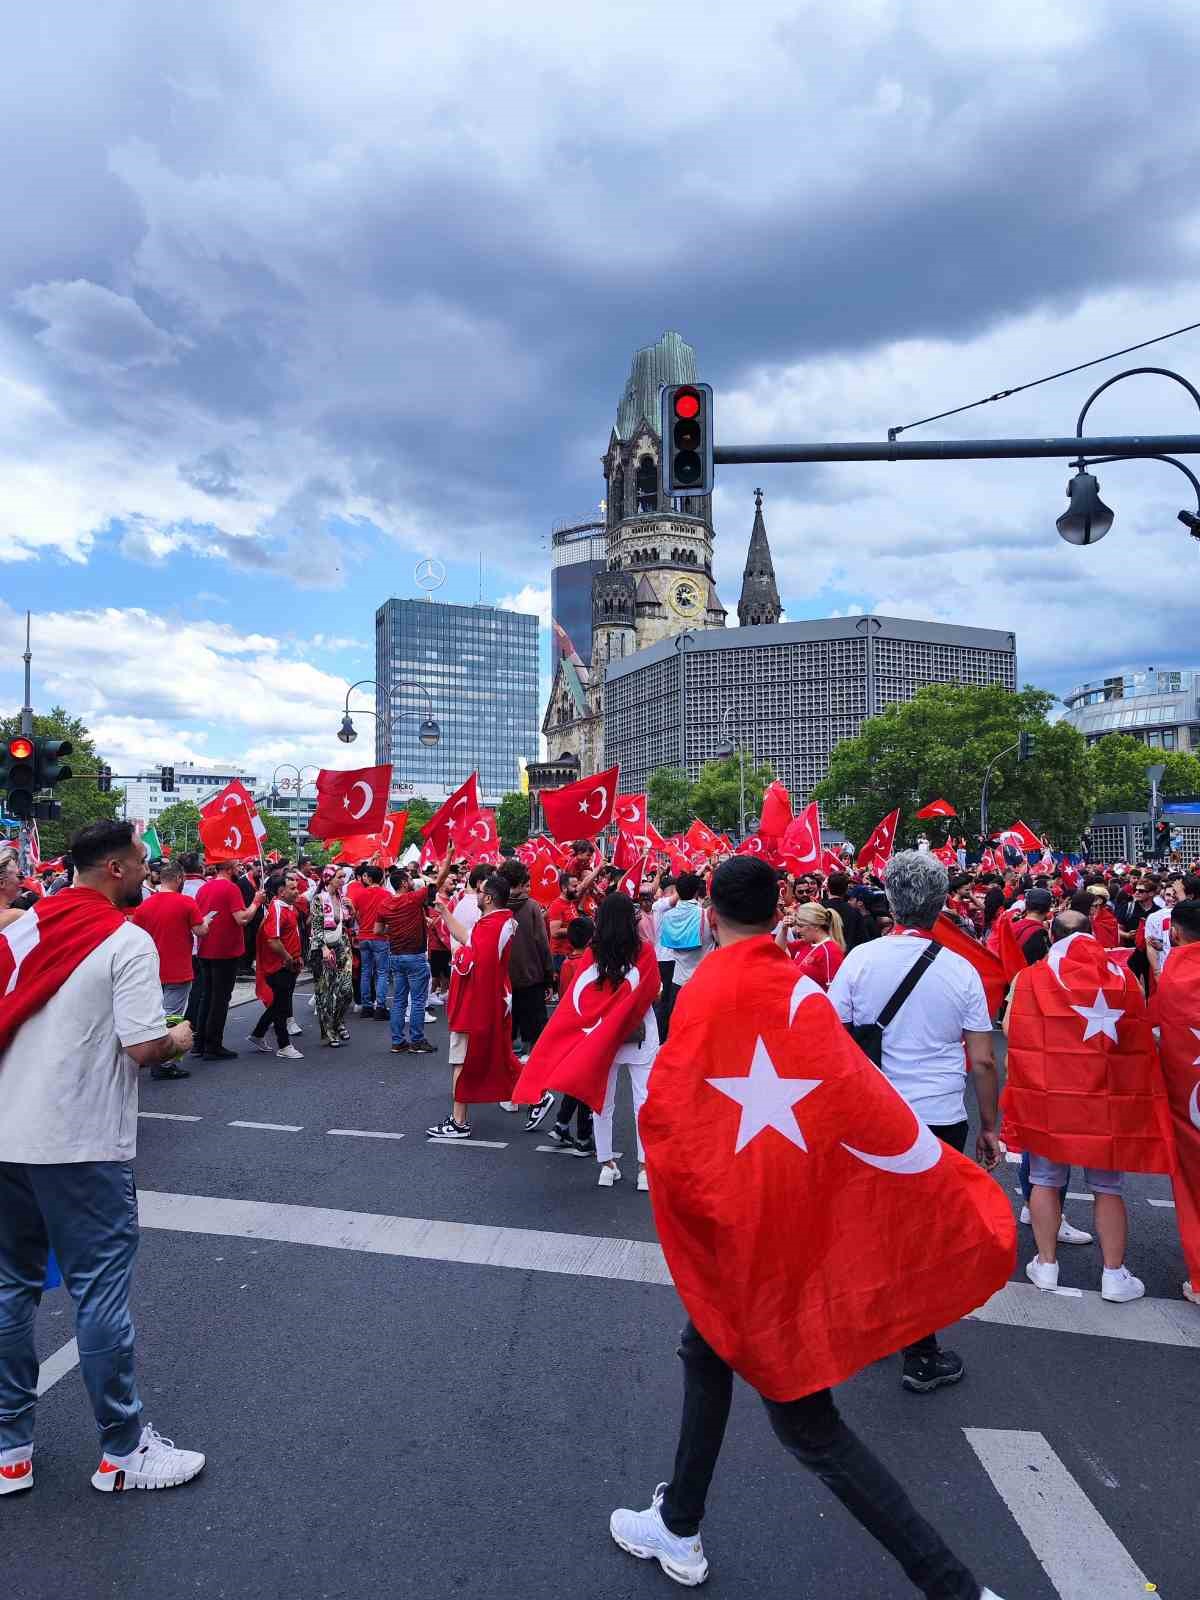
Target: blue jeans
[[411, 975], [88, 1211], [373, 976]]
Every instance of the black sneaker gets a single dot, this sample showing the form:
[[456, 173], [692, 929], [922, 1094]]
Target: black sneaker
[[585, 1148], [169, 1071], [561, 1137], [401, 1049], [422, 1047], [923, 1374], [448, 1130], [380, 1013], [220, 1055], [539, 1112]]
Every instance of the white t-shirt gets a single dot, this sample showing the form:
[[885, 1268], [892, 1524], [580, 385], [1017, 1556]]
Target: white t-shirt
[[68, 1091], [1158, 926], [923, 1045], [663, 903], [466, 910]]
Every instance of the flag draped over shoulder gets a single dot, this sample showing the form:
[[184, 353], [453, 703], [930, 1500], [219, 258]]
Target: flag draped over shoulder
[[1083, 1083], [480, 1005], [590, 1024], [42, 948], [1177, 1012], [811, 1222]]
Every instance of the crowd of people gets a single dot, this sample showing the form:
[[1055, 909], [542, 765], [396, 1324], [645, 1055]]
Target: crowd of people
[[548, 1003]]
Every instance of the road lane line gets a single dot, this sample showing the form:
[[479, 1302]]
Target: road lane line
[[479, 1144], [1147, 1321], [270, 1127], [360, 1133], [57, 1366], [1169, 1205], [169, 1116], [1079, 1552]]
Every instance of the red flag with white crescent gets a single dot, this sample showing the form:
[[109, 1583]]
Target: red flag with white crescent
[[801, 841], [762, 1109], [1022, 836], [1177, 1012], [589, 1025], [582, 809], [231, 795], [475, 837], [776, 810], [464, 802], [629, 814], [350, 803], [701, 837], [391, 837], [480, 1005], [628, 852], [359, 847], [831, 862], [936, 808], [543, 878], [882, 840], [631, 883], [228, 835]]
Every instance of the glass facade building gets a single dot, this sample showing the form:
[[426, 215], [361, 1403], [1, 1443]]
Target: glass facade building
[[577, 554], [479, 665], [1161, 708]]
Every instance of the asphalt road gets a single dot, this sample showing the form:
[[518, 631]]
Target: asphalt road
[[379, 1423]]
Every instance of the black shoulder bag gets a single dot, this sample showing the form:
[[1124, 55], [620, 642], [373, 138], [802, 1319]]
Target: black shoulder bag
[[868, 1036]]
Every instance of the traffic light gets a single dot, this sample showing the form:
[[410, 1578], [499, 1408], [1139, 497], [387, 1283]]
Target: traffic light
[[104, 780], [167, 781], [687, 439], [1026, 746], [51, 763], [17, 775]]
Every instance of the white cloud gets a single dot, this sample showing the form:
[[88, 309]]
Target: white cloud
[[533, 598], [92, 330]]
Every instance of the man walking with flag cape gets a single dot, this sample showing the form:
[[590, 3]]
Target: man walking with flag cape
[[811, 1224], [1177, 1011]]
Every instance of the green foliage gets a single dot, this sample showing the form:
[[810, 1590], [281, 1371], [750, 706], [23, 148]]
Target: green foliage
[[419, 813], [1119, 763], [80, 799], [278, 836], [179, 826], [714, 796], [512, 819], [940, 743], [669, 799]]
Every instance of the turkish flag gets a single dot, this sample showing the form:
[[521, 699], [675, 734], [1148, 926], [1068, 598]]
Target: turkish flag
[[355, 800], [831, 862], [1008, 946], [358, 847], [755, 845], [391, 836], [40, 951], [583, 809], [1177, 1012], [1084, 1085], [946, 854], [801, 841], [480, 1005], [232, 794], [589, 1025], [936, 808], [429, 856], [526, 853], [882, 840], [228, 835], [629, 813], [763, 1110], [628, 852], [476, 836], [701, 837], [950, 936], [1022, 836], [464, 802], [631, 883], [543, 878], [776, 810]]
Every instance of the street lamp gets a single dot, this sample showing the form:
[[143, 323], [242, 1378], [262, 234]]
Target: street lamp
[[301, 780], [1088, 519], [683, 641], [429, 733], [724, 751]]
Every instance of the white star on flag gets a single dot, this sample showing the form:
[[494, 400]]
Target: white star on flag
[[766, 1099], [508, 1004], [1100, 1018], [1196, 1062]]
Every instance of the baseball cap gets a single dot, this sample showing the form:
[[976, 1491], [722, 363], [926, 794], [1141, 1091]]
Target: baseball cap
[[1038, 900]]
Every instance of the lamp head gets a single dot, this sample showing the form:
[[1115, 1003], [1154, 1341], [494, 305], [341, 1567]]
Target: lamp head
[[347, 733], [1191, 522], [1088, 519], [429, 733], [724, 750]]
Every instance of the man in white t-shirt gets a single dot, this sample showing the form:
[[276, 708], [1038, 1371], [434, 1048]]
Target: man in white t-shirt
[[923, 1045], [1158, 931], [88, 1015]]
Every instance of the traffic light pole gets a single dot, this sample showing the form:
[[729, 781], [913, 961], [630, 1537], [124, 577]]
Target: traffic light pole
[[1131, 445], [23, 838]]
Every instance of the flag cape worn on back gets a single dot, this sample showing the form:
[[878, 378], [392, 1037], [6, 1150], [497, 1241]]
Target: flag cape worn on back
[[353, 802], [883, 837], [583, 809], [811, 1223], [42, 948], [1084, 1085], [480, 1005], [1177, 1012], [589, 1025]]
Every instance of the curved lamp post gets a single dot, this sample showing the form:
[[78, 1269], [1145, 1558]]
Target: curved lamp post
[[683, 640], [724, 750], [428, 733], [290, 766], [1088, 519]]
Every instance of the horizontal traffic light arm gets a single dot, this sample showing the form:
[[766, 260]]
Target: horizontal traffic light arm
[[747, 455]]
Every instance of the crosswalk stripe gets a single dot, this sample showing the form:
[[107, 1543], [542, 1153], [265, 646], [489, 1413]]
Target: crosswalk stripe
[[57, 1366], [478, 1144], [270, 1127], [360, 1133], [1079, 1552], [168, 1116], [1147, 1321]]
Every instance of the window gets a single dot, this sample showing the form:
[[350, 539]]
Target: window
[[1168, 739]]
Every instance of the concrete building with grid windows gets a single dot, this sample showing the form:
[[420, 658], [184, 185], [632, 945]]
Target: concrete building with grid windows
[[786, 692]]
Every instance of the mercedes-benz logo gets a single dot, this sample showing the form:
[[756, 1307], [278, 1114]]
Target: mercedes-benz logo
[[430, 574]]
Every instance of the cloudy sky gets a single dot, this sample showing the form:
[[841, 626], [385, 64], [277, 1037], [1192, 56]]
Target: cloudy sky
[[293, 295]]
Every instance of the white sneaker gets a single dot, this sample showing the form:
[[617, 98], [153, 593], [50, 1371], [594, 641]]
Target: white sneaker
[[429, 1017], [436, 999], [1189, 1293], [609, 1176], [989, 1594], [643, 1182], [1042, 1274], [1118, 1283], [509, 1105], [1069, 1235], [289, 1053], [259, 1045], [294, 1027], [644, 1534], [155, 1464], [16, 1470]]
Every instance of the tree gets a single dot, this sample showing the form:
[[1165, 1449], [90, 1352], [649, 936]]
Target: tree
[[512, 819], [1182, 776], [1120, 763], [716, 792], [80, 799], [179, 826], [940, 744], [419, 813], [669, 799]]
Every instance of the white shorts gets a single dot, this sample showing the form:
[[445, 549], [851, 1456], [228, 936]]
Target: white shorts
[[458, 1048]]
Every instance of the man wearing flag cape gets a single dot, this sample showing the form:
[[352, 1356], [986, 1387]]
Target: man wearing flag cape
[[811, 1224]]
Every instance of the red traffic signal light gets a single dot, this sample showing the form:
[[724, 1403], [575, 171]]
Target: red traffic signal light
[[687, 403], [20, 749], [687, 440]]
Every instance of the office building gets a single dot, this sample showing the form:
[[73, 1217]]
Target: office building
[[478, 665], [194, 781], [785, 692], [577, 553], [1162, 709]]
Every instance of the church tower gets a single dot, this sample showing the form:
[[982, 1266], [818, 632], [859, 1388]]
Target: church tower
[[759, 601]]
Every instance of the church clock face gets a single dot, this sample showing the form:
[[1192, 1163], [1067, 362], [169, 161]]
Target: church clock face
[[685, 598]]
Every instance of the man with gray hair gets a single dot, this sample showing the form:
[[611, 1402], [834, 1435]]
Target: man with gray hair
[[922, 1039]]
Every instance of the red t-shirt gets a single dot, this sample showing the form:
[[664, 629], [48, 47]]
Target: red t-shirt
[[370, 906], [226, 938], [279, 922], [564, 911], [404, 918], [571, 968], [818, 961], [169, 917]]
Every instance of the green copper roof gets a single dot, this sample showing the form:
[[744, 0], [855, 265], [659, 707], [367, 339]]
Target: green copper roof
[[671, 360]]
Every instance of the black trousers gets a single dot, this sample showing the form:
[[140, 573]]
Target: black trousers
[[812, 1430], [570, 1107], [283, 985], [197, 998], [955, 1135], [665, 1003], [529, 1012], [219, 979]]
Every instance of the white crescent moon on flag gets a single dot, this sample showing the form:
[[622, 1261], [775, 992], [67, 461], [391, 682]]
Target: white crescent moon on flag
[[588, 975], [602, 794], [1194, 1106], [506, 933], [230, 800], [924, 1152], [385, 837], [368, 796], [233, 839], [628, 813], [804, 989], [475, 827]]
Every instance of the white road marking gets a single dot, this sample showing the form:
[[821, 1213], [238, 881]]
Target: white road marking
[[270, 1127], [1081, 1555], [360, 1133], [169, 1116], [57, 1366], [479, 1144], [1168, 1205], [1147, 1321], [1087, 1198]]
